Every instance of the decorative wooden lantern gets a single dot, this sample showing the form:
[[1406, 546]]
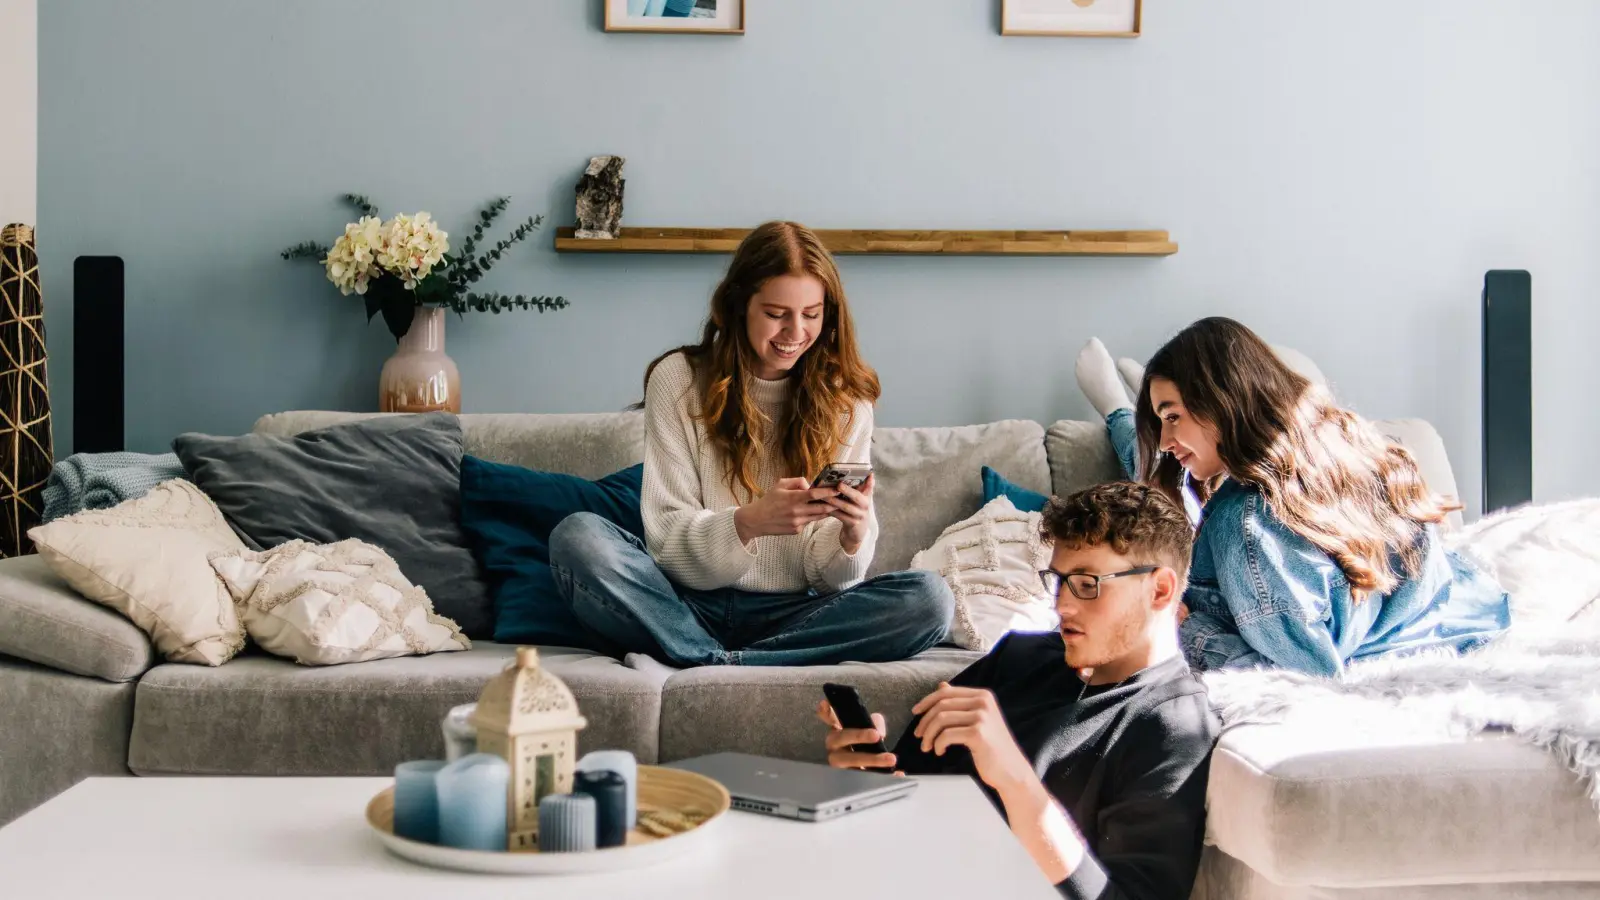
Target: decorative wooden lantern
[[528, 717]]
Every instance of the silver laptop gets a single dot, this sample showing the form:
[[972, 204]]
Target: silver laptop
[[796, 790]]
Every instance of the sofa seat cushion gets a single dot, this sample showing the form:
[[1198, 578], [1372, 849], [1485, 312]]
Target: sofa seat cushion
[[260, 715], [1305, 805], [772, 711], [43, 620], [928, 479]]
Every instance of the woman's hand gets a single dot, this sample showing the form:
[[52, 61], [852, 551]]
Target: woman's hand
[[853, 508], [788, 508]]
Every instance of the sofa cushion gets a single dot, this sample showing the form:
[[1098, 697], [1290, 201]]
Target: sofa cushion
[[394, 482], [773, 711], [56, 730], [1425, 444], [1080, 456], [995, 485], [589, 445], [43, 620], [1307, 805], [260, 715], [507, 513], [931, 478], [330, 604], [146, 558]]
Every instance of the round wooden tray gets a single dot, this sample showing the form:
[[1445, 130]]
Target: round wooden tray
[[661, 791]]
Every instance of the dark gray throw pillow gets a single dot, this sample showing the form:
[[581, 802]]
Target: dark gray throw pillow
[[393, 481]]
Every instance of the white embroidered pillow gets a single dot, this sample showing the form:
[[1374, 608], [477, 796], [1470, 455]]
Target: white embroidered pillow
[[146, 558], [991, 562], [325, 604]]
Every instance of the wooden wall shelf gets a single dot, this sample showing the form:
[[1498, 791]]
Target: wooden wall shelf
[[953, 243]]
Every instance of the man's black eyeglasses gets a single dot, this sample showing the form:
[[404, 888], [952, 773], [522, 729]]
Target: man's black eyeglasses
[[1083, 585]]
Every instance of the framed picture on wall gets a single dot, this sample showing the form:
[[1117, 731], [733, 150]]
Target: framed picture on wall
[[1071, 18], [676, 16]]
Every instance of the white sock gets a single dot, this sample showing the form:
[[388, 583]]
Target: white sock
[[1097, 377], [1132, 373]]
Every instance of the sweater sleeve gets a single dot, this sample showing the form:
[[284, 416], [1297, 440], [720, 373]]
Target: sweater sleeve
[[828, 567], [697, 547]]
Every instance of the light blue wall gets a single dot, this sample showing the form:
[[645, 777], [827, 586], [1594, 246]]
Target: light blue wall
[[1339, 176]]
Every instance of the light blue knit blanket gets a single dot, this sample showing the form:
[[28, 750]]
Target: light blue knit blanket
[[102, 480]]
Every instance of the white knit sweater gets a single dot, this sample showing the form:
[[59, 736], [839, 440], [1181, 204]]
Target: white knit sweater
[[688, 507]]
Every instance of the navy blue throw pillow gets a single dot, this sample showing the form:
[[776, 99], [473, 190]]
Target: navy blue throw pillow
[[995, 485], [507, 513]]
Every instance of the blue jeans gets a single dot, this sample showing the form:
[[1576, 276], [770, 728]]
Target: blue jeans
[[617, 590]]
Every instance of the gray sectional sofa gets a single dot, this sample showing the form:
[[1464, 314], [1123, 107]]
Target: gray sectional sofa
[[82, 693]]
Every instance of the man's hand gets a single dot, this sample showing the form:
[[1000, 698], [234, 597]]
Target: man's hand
[[970, 717], [840, 740]]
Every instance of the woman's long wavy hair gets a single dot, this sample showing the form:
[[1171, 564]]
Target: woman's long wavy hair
[[830, 379], [1327, 473]]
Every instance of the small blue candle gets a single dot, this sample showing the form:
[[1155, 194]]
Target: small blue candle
[[610, 795], [566, 823], [416, 800], [472, 802], [623, 763]]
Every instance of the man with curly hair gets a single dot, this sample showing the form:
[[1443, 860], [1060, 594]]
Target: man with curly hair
[[1095, 740]]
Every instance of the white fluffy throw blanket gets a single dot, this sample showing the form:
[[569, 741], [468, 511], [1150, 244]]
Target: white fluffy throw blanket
[[1541, 684], [1540, 681]]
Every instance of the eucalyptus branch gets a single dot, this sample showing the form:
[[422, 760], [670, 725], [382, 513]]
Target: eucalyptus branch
[[307, 250], [463, 270], [485, 219], [362, 204], [477, 267], [496, 302]]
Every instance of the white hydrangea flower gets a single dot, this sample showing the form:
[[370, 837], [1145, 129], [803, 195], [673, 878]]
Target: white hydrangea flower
[[412, 246], [353, 261]]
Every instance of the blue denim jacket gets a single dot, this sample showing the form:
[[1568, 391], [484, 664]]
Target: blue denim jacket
[[1260, 594]]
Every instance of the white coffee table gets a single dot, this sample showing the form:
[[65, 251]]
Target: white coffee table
[[308, 837]]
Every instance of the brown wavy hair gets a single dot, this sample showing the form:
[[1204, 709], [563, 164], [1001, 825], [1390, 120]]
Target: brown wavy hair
[[830, 378], [1138, 521], [1325, 472]]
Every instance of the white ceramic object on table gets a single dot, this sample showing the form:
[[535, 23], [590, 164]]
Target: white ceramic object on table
[[460, 738]]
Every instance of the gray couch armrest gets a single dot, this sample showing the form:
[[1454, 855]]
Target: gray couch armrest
[[43, 620]]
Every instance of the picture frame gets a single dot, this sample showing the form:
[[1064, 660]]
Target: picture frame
[[675, 16], [1072, 18]]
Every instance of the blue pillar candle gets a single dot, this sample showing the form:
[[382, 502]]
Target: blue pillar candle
[[623, 763], [566, 823], [610, 795], [472, 802], [416, 800]]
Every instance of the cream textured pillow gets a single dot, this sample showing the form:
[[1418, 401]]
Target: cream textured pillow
[[325, 604], [992, 562], [146, 558]]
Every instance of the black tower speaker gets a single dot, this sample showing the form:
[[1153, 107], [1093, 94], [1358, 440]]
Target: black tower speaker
[[97, 354], [1507, 389]]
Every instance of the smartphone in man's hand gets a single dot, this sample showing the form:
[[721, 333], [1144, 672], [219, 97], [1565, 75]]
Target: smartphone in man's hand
[[852, 713]]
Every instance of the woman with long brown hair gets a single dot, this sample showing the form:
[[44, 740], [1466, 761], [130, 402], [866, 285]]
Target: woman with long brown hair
[[1318, 541], [744, 561]]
